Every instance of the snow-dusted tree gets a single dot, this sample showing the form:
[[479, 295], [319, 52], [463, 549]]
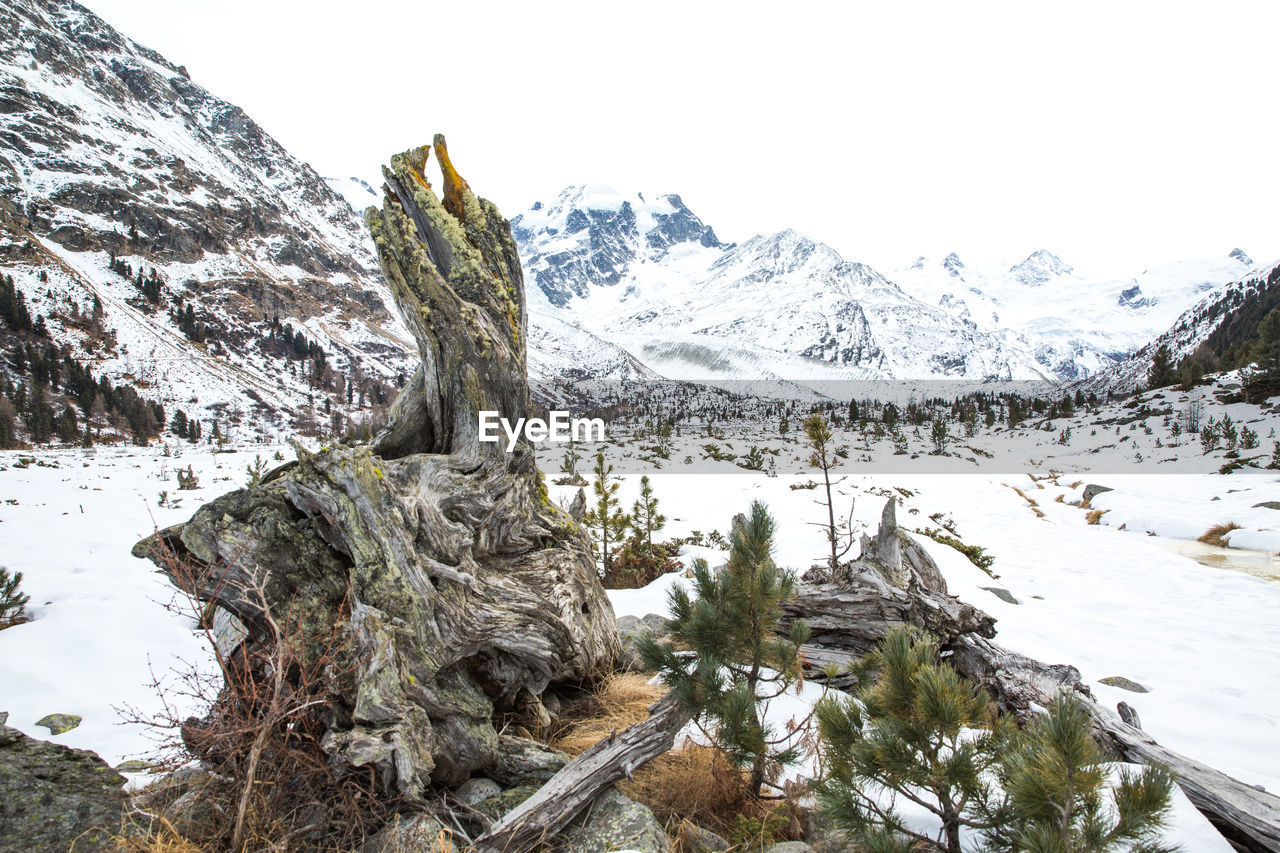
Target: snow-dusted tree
[[1056, 780], [607, 523], [738, 663], [918, 732]]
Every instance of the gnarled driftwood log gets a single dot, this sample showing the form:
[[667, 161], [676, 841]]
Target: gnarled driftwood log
[[462, 591]]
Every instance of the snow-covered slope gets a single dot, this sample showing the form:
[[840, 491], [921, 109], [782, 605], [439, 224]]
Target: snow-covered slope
[[1075, 324], [108, 149]]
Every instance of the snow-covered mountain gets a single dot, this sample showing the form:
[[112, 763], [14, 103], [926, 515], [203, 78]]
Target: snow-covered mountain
[[1076, 325], [108, 150], [646, 275]]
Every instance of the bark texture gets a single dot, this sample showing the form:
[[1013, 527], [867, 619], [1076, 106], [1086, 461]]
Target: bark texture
[[462, 592]]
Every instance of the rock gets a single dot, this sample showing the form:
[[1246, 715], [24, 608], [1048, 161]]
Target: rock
[[657, 624], [698, 839], [632, 626], [1267, 505], [134, 766], [789, 847], [499, 804], [415, 832], [52, 795], [474, 790], [1002, 594], [821, 832], [1092, 490], [614, 822], [59, 723], [1123, 683], [578, 508]]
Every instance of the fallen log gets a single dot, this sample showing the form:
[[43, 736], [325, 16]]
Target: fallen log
[[583, 779], [1249, 818], [851, 610]]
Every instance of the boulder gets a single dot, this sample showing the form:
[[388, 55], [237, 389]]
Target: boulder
[[415, 832], [614, 822], [476, 790], [52, 795], [1092, 490], [59, 723]]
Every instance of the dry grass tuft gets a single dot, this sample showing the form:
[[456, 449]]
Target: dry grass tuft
[[1059, 499], [1216, 535], [694, 784], [1095, 516], [159, 837], [1031, 502], [615, 703]]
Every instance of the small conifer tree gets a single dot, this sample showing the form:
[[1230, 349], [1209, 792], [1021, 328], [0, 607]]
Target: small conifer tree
[[645, 518], [918, 731], [606, 522], [1056, 781], [739, 662], [825, 457], [13, 603], [1162, 373]]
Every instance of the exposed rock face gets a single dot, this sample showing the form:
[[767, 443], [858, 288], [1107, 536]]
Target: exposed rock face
[[463, 590], [51, 795]]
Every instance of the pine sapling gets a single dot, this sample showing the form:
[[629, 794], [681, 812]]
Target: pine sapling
[[606, 521], [739, 663], [645, 518], [825, 457], [1056, 780], [918, 732]]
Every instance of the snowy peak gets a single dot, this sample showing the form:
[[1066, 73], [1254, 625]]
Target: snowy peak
[[591, 235], [1040, 267], [1238, 254], [771, 256], [953, 265]]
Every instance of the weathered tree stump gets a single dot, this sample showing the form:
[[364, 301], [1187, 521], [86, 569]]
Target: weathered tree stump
[[462, 591]]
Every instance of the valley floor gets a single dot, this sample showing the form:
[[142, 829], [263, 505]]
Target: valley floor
[[1200, 638]]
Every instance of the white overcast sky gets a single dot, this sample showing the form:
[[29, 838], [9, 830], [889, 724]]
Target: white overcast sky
[[1117, 134]]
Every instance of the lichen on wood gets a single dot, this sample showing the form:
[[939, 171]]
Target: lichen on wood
[[463, 592]]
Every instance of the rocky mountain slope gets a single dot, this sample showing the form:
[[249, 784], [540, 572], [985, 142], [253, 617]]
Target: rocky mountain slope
[[113, 162], [1220, 320]]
